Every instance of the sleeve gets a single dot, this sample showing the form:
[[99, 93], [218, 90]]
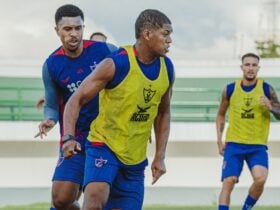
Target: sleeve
[[170, 69], [121, 67], [230, 89], [111, 47], [266, 91], [51, 107]]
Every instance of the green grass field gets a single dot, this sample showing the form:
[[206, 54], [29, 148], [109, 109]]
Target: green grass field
[[45, 206]]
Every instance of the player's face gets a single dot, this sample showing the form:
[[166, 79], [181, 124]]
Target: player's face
[[160, 40], [70, 30], [250, 68]]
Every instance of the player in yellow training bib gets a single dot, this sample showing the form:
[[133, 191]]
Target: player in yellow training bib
[[249, 102], [136, 83]]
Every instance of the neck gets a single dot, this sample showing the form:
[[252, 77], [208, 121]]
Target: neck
[[143, 53], [246, 82], [76, 53]]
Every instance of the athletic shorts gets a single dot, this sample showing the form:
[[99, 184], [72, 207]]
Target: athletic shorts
[[235, 154], [70, 169], [127, 182]]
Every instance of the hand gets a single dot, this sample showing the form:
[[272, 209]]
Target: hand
[[221, 148], [44, 127], [71, 148], [264, 101], [158, 169]]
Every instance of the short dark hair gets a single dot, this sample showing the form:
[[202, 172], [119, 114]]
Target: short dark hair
[[151, 19], [250, 55], [98, 33], [68, 10]]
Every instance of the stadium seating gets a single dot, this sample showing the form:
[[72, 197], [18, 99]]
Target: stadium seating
[[19, 97], [192, 161], [193, 100]]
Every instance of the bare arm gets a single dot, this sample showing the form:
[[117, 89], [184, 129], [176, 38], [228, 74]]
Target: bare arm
[[220, 121], [273, 104], [161, 128], [88, 89]]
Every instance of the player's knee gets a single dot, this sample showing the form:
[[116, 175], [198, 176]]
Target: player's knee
[[62, 202], [229, 182], [260, 181], [94, 203]]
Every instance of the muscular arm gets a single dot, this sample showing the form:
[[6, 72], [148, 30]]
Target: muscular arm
[[161, 128], [275, 105], [220, 121], [88, 89]]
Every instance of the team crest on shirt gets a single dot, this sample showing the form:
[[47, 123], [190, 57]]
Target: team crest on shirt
[[99, 162], [148, 94], [248, 101], [248, 112]]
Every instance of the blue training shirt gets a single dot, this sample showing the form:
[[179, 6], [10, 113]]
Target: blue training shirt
[[230, 89], [151, 71], [62, 76]]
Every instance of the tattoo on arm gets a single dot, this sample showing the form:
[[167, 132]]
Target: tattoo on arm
[[275, 103]]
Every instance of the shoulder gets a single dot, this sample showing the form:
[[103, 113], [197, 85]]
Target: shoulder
[[56, 55], [267, 89], [102, 45], [168, 63], [95, 46], [119, 56], [229, 89], [111, 47], [170, 68], [57, 52], [230, 85], [266, 85]]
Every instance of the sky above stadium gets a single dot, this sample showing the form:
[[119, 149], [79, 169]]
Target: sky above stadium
[[203, 29]]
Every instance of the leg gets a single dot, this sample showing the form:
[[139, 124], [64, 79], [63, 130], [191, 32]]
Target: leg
[[67, 179], [96, 195], [228, 185], [258, 164], [231, 170], [259, 174], [100, 171], [75, 205], [127, 190], [64, 195]]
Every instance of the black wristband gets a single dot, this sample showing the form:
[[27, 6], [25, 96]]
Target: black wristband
[[66, 138]]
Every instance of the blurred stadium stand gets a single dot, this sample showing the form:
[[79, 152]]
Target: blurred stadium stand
[[193, 164]]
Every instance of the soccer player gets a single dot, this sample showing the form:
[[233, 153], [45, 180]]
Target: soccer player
[[136, 83], [250, 101], [98, 36], [63, 72]]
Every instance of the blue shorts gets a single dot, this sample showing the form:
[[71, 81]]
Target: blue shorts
[[235, 154], [71, 169], [127, 182]]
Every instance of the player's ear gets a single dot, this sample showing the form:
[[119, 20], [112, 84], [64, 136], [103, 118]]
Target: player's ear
[[56, 30], [146, 34]]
